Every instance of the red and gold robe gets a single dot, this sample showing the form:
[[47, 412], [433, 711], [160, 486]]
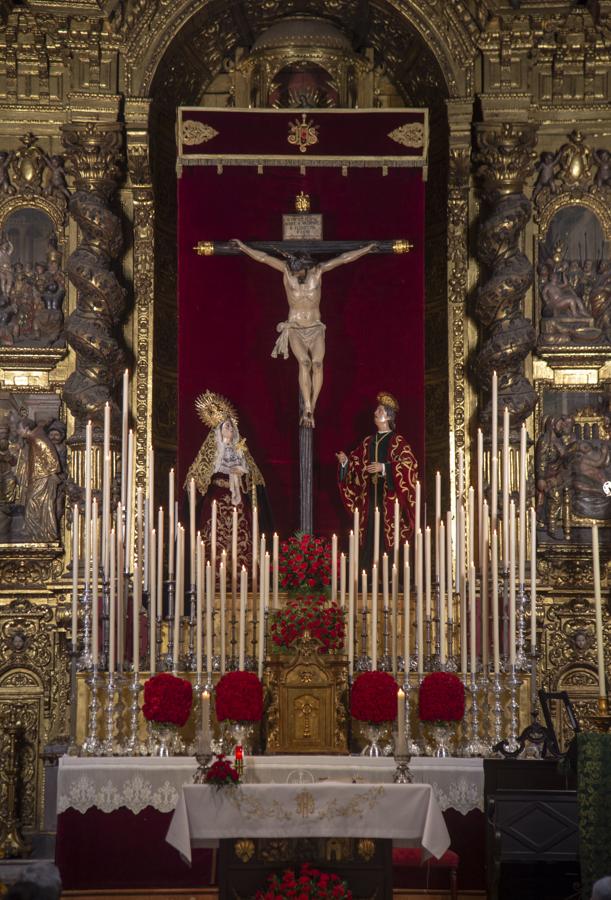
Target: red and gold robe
[[399, 482]]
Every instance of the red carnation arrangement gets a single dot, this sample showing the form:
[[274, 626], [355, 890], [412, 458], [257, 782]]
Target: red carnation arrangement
[[324, 619], [441, 698], [239, 697], [222, 772], [167, 699], [374, 698], [305, 564], [311, 884]]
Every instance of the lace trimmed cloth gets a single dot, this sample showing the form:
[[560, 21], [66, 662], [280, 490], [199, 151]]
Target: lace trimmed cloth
[[135, 783]]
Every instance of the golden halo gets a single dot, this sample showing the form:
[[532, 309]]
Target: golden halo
[[214, 408]]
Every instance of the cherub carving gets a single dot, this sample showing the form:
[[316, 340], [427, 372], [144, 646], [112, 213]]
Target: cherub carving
[[602, 158], [546, 176]]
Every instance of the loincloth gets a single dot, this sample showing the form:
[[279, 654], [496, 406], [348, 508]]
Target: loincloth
[[309, 334]]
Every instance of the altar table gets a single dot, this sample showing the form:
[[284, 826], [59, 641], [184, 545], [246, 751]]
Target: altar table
[[406, 813], [115, 812]]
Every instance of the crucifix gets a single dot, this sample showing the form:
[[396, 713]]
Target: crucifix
[[303, 331]]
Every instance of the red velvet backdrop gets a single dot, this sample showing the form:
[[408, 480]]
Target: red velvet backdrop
[[229, 308]]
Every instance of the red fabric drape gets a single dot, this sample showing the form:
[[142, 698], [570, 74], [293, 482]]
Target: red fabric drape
[[229, 308]]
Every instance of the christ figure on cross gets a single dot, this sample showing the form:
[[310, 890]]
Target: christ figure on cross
[[304, 331]]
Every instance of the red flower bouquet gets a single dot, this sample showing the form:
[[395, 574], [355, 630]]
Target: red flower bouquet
[[311, 884], [239, 696], [374, 698], [167, 699], [310, 612], [305, 564], [441, 698], [222, 772]]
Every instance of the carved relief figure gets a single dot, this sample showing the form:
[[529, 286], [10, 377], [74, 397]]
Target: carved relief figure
[[31, 299], [602, 158], [7, 482], [546, 177], [42, 477], [551, 471]]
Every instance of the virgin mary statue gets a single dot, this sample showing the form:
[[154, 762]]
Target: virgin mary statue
[[225, 471]]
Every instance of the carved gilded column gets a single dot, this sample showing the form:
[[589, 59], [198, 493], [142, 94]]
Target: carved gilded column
[[505, 160], [143, 279], [94, 154]]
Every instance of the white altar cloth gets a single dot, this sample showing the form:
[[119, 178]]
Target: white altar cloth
[[407, 814], [108, 783]]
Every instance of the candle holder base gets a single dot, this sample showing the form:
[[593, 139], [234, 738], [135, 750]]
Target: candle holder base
[[403, 774], [362, 664], [204, 760], [385, 664]]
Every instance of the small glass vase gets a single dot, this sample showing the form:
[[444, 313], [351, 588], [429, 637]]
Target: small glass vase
[[163, 738], [238, 734], [374, 732], [443, 733]]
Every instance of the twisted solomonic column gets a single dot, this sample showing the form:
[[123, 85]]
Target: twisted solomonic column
[[94, 154], [504, 160]]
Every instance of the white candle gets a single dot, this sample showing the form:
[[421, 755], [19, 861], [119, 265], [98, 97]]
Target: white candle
[[400, 749], [419, 603], [494, 490], [357, 539], [600, 648], [394, 620], [192, 538], [461, 473], [75, 546], [334, 568], [87, 522], [342, 580], [472, 620], [374, 617], [506, 483], [242, 628], [160, 563], [460, 569], [533, 579], [180, 559], [151, 488], [449, 568], [119, 590], [112, 604], [106, 459], [442, 591], [152, 603], [139, 524], [255, 548], [494, 417], [376, 537], [213, 541], [199, 575], [522, 509], [484, 592], [95, 574], [234, 554], [471, 532], [124, 427], [147, 548], [275, 572], [480, 488], [136, 605], [129, 509], [427, 572], [351, 588], [397, 535], [262, 545], [223, 602], [209, 621], [437, 520], [364, 602], [171, 524], [495, 602], [406, 611], [261, 641], [512, 583], [417, 512]]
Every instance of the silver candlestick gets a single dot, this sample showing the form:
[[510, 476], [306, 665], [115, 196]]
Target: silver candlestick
[[91, 744], [475, 745], [511, 745], [132, 744], [412, 748], [403, 774], [497, 709], [107, 746], [521, 663], [73, 747], [85, 661]]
